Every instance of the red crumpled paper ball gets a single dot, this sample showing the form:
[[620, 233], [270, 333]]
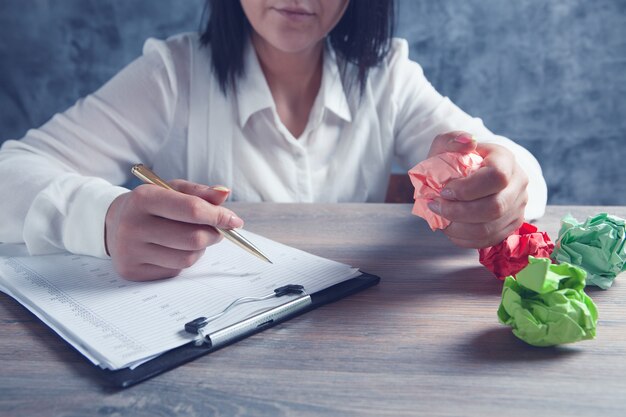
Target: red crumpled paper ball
[[511, 255]]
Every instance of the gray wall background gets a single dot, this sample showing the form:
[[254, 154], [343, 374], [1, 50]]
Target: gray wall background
[[550, 74]]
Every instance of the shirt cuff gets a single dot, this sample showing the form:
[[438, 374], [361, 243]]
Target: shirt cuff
[[84, 226], [69, 214], [537, 191]]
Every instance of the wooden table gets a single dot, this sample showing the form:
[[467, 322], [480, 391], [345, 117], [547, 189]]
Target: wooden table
[[425, 341]]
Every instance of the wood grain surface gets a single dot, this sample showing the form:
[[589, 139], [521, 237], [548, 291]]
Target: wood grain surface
[[425, 341]]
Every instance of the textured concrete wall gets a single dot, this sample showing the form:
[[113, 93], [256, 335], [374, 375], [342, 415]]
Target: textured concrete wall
[[550, 74]]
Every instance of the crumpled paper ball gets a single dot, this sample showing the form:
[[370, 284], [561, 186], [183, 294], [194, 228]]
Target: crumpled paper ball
[[430, 176], [598, 246], [511, 255], [546, 305]]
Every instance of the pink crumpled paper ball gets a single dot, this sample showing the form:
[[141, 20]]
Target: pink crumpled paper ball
[[511, 255], [430, 176]]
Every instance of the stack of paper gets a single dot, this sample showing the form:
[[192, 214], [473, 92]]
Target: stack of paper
[[118, 323]]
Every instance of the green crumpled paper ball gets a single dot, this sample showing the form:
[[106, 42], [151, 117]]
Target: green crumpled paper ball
[[598, 246], [546, 305]]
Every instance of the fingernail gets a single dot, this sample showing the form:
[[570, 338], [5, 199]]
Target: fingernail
[[235, 222], [464, 138], [434, 206], [448, 194], [220, 188]]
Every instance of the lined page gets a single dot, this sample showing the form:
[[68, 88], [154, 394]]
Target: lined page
[[117, 323]]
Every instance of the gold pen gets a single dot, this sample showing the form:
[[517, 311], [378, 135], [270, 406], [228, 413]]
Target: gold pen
[[146, 175]]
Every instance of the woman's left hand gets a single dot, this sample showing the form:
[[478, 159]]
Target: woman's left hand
[[488, 205]]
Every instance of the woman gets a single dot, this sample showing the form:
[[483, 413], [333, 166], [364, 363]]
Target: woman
[[282, 100]]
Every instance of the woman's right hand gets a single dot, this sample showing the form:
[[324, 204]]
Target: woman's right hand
[[154, 233]]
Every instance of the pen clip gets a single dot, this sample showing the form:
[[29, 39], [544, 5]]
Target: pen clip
[[194, 326]]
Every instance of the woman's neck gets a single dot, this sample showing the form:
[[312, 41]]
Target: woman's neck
[[294, 80]]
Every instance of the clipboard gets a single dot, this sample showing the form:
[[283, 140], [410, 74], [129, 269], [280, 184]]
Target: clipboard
[[124, 378]]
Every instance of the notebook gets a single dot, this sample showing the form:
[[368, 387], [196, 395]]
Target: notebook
[[121, 325]]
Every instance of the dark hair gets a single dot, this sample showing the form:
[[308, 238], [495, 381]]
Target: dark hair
[[361, 37]]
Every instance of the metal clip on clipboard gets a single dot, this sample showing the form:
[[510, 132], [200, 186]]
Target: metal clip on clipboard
[[250, 324]]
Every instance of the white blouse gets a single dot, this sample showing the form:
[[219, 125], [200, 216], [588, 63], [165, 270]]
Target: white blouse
[[166, 110]]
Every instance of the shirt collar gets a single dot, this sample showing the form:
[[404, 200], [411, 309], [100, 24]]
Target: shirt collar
[[332, 87], [254, 95]]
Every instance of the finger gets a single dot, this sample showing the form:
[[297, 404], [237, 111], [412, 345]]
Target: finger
[[178, 235], [169, 258], [479, 231], [489, 150], [131, 264], [147, 272], [183, 207], [482, 210], [496, 172], [457, 141], [494, 239], [215, 195], [484, 182]]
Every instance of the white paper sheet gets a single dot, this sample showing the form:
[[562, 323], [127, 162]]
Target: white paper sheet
[[118, 323]]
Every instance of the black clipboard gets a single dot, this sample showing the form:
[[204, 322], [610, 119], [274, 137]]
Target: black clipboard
[[127, 377]]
